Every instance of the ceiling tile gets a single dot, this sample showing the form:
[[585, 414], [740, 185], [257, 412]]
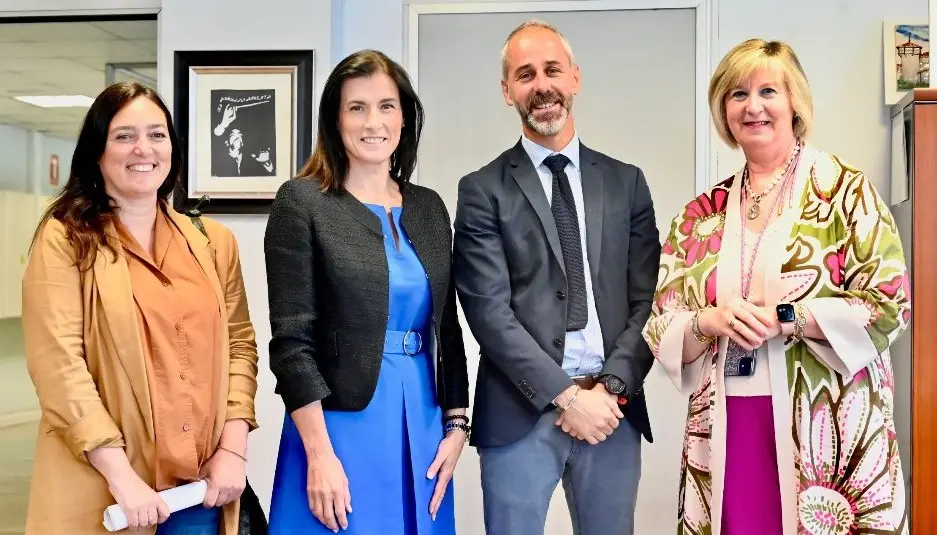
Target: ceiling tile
[[24, 66], [101, 50], [139, 29], [65, 58], [54, 31]]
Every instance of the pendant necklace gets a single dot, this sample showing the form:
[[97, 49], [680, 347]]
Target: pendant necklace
[[755, 209]]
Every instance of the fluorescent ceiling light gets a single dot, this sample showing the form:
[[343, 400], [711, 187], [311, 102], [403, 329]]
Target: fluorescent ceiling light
[[57, 101]]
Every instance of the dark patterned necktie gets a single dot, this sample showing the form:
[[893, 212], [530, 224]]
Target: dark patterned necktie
[[567, 225]]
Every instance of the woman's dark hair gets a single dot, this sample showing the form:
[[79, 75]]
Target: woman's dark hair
[[83, 207], [329, 161]]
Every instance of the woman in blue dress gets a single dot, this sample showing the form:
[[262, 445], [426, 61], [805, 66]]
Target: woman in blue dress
[[366, 345]]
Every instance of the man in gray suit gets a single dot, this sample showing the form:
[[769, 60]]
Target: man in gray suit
[[556, 258]]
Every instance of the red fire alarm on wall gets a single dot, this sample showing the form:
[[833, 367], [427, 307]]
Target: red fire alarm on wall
[[54, 170]]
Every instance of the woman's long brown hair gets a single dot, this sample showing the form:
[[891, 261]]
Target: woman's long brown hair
[[329, 161], [82, 206]]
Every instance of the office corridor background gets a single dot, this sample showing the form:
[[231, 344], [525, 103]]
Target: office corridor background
[[19, 410]]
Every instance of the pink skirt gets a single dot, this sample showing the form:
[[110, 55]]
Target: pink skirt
[[752, 498]]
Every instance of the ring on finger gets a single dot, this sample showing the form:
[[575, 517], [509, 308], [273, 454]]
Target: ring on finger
[[732, 323]]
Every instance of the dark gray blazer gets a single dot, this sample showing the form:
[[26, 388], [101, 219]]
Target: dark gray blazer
[[328, 288], [511, 283]]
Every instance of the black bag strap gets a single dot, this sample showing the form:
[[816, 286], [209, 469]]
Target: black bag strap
[[252, 520], [195, 214]]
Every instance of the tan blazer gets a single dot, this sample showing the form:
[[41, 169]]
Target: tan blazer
[[85, 356]]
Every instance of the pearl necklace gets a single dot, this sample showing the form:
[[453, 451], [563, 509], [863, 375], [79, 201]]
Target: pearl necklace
[[755, 210]]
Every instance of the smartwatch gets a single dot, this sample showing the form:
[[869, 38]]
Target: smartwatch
[[616, 386], [786, 313]]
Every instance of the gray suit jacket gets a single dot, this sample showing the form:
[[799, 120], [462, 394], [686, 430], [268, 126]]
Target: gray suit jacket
[[511, 282]]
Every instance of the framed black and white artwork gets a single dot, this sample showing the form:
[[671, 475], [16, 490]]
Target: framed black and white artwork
[[245, 120]]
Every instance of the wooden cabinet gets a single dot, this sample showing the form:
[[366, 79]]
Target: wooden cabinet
[[916, 217], [19, 214]]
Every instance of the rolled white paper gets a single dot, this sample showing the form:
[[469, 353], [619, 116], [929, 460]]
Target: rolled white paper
[[177, 499]]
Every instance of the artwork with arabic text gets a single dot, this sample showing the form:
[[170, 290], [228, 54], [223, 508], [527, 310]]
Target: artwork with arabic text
[[244, 132]]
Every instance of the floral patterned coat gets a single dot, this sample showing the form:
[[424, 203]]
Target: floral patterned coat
[[839, 469]]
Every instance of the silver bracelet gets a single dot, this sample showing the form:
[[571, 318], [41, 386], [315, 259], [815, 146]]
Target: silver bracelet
[[571, 399], [452, 426]]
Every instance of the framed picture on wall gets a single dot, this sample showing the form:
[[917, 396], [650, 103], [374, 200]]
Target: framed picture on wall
[[245, 121], [906, 49]]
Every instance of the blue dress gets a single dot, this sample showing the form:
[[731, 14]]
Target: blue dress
[[386, 448]]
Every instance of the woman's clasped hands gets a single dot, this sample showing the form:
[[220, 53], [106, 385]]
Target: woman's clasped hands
[[748, 325]]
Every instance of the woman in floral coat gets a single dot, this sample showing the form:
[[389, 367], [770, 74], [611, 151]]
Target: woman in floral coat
[[780, 291]]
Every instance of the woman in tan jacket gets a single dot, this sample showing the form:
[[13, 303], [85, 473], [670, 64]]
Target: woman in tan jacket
[[138, 337]]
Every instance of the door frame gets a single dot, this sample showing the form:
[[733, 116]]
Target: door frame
[[706, 52]]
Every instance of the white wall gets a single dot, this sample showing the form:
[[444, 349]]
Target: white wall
[[22, 8], [634, 134], [838, 42], [14, 162], [24, 160], [840, 47], [240, 25]]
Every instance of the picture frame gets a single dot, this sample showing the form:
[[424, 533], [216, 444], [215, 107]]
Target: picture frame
[[906, 57], [245, 123]]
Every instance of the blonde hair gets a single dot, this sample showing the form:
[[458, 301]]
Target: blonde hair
[[532, 23], [740, 63]]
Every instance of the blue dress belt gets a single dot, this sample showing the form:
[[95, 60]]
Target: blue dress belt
[[406, 342]]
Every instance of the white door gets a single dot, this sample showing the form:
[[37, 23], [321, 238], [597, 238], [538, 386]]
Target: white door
[[638, 104]]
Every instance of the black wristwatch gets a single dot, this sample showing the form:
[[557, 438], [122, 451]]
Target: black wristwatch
[[614, 385], [786, 313]]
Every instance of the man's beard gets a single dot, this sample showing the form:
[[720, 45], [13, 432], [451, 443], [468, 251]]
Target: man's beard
[[548, 124]]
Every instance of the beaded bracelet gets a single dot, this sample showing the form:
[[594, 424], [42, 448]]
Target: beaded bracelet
[[452, 417]]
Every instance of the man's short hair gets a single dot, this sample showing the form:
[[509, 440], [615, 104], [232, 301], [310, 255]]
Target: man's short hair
[[532, 23]]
